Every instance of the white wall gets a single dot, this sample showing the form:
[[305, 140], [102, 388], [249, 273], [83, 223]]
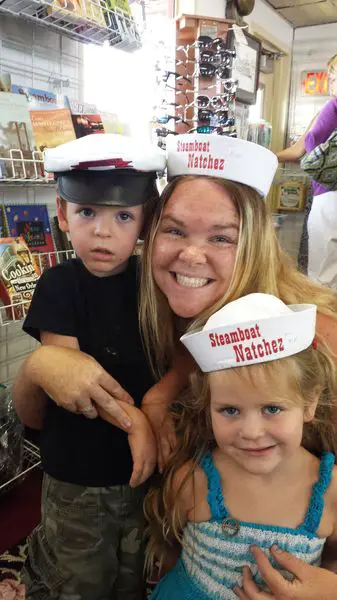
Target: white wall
[[34, 56], [266, 19]]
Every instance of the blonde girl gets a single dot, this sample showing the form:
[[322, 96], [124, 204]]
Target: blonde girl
[[243, 471]]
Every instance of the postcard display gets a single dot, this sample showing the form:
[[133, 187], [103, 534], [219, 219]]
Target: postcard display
[[197, 91], [31, 118]]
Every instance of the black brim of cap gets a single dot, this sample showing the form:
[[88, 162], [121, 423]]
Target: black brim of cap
[[111, 188]]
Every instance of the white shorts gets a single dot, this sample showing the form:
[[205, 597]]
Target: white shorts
[[322, 240]]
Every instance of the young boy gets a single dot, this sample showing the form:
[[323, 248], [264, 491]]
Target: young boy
[[89, 543]]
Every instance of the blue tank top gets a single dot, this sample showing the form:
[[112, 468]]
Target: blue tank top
[[215, 551]]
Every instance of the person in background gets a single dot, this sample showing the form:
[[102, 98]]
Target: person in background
[[89, 542], [321, 221], [240, 472]]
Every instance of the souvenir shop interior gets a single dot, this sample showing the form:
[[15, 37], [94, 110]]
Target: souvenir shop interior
[[252, 69]]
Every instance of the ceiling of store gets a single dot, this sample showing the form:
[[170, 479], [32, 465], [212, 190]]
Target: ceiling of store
[[302, 13]]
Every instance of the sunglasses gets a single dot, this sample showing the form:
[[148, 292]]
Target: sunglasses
[[164, 119], [163, 132], [216, 102], [178, 77], [209, 70]]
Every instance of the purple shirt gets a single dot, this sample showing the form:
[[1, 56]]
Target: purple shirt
[[325, 124]]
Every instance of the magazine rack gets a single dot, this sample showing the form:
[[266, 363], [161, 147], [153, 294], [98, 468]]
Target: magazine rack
[[17, 169], [88, 21]]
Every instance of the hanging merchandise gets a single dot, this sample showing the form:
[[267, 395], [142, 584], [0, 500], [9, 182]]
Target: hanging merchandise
[[198, 93], [260, 133]]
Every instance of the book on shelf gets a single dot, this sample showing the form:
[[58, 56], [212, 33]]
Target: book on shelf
[[85, 117], [31, 221], [19, 274], [16, 137], [52, 127], [5, 82], [41, 99], [62, 243]]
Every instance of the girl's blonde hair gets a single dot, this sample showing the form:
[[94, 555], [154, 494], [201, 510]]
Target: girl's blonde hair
[[296, 379], [260, 266]]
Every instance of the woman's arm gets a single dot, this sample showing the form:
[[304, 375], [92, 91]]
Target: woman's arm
[[295, 152], [72, 379]]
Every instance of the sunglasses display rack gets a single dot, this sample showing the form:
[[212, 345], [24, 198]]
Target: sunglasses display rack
[[197, 88]]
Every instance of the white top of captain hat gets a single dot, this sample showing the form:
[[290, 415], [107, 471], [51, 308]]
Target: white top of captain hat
[[253, 329], [224, 157], [103, 152]]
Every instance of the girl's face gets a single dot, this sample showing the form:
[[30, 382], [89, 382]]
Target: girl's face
[[195, 247], [253, 429]]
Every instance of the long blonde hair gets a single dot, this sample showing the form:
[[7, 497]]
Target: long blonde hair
[[296, 379], [260, 266], [332, 63]]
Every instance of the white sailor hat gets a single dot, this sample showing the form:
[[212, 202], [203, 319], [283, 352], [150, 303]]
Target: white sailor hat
[[106, 169], [254, 329], [224, 157]]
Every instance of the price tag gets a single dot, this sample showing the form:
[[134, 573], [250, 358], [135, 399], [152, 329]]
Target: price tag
[[240, 37], [208, 29]]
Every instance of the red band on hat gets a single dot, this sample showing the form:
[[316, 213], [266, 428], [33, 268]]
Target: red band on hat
[[118, 163]]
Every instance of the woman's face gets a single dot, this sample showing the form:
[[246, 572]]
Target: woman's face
[[195, 247]]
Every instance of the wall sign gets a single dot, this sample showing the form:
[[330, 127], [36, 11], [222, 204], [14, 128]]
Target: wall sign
[[315, 83]]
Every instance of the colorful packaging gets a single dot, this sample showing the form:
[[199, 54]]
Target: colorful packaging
[[19, 274]]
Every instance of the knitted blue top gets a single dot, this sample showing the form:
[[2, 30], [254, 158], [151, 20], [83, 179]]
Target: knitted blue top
[[215, 552]]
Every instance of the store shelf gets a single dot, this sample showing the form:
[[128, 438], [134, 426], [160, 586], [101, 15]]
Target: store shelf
[[18, 169], [88, 21], [13, 313], [31, 460]]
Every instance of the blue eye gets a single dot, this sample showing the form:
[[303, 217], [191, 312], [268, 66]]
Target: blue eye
[[230, 411], [272, 410], [86, 212], [124, 217]]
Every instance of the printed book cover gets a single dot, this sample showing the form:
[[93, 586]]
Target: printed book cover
[[41, 99], [52, 127], [31, 221], [16, 136], [18, 277]]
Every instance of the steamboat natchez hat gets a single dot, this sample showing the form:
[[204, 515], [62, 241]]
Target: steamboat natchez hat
[[108, 169], [253, 329], [224, 157]]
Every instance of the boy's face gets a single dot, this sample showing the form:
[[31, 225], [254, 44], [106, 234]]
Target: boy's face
[[103, 237]]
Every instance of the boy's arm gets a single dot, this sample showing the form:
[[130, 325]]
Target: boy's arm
[[141, 440]]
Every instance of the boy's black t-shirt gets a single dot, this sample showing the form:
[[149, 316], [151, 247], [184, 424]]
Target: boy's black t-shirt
[[102, 314]]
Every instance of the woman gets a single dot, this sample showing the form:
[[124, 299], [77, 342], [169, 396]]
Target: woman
[[322, 218], [211, 241]]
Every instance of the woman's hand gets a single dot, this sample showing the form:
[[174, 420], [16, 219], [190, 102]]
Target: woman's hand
[[157, 412], [310, 583], [73, 379]]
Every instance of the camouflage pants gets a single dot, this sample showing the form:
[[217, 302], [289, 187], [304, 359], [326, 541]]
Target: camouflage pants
[[88, 545]]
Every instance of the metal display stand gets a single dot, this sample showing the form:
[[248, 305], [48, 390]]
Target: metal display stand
[[96, 24], [31, 460]]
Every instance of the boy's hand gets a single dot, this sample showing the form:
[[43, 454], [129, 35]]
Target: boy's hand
[[143, 449], [161, 421]]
